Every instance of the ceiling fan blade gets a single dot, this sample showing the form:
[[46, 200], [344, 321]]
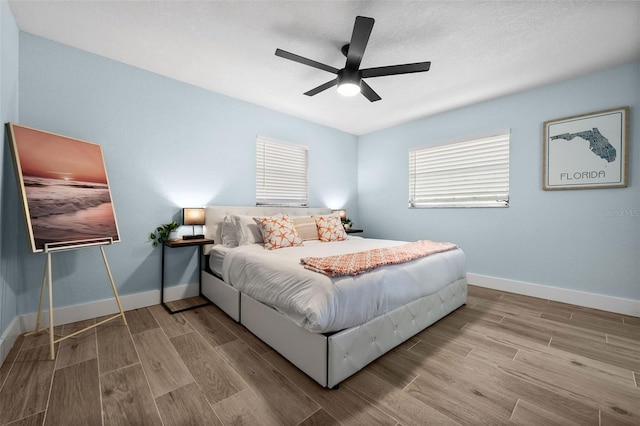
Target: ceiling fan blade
[[359, 39], [322, 87], [305, 61], [368, 92], [396, 69]]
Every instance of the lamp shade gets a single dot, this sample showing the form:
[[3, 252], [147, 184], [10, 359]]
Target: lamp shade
[[193, 216], [341, 212]]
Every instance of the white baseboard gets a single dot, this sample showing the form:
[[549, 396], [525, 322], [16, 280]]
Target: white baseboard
[[575, 297], [179, 292], [68, 314], [8, 338]]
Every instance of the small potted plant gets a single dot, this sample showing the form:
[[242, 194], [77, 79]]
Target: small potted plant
[[163, 232], [346, 222]]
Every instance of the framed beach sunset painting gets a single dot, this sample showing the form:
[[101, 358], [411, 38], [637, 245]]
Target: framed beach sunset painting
[[64, 188]]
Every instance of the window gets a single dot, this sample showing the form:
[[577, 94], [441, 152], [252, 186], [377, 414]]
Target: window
[[281, 173], [472, 173]]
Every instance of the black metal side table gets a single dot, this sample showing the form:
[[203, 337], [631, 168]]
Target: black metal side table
[[176, 306]]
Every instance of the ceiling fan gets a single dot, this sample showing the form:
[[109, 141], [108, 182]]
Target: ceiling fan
[[349, 79]]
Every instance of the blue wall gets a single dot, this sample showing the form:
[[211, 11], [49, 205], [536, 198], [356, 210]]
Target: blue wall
[[9, 217], [166, 145], [586, 240]]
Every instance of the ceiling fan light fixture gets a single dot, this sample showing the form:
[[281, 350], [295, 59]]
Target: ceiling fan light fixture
[[348, 82], [348, 88]]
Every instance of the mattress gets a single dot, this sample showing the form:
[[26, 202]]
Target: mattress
[[216, 258], [321, 304]]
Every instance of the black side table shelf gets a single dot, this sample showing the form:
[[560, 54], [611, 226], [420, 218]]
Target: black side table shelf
[[354, 231], [176, 306]]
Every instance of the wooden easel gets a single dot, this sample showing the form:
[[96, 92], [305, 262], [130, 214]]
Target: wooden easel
[[47, 278]]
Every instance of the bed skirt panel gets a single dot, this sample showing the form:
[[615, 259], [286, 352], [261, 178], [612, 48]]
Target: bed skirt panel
[[330, 360], [305, 350], [351, 350], [222, 294]]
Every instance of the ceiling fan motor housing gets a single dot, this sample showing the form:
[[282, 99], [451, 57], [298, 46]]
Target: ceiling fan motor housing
[[349, 76]]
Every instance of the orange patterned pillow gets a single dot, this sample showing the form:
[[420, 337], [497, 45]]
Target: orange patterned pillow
[[330, 228], [278, 232]]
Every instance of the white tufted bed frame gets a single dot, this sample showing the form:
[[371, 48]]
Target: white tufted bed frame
[[331, 358]]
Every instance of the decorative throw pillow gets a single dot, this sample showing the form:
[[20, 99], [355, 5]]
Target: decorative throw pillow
[[306, 228], [278, 232], [330, 228], [247, 231]]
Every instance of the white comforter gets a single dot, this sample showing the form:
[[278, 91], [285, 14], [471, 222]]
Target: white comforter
[[322, 304]]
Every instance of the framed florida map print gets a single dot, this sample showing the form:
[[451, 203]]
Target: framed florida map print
[[586, 151]]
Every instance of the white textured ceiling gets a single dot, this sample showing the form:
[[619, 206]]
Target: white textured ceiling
[[478, 50]]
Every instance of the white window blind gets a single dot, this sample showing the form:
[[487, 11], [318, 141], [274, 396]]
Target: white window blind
[[472, 173], [281, 173]]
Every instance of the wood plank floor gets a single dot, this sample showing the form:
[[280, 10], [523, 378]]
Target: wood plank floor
[[500, 359]]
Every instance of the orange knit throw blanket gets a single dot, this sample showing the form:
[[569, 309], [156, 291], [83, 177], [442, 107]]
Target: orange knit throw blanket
[[365, 261]]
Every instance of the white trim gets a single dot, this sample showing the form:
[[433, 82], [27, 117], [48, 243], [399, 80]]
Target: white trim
[[178, 292], [69, 314], [74, 313], [9, 338], [575, 297]]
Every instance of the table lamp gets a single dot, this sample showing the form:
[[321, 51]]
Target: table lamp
[[193, 217]]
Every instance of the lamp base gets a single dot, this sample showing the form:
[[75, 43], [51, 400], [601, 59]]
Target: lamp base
[[192, 237]]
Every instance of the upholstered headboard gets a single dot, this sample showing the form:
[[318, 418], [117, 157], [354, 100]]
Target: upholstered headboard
[[214, 215]]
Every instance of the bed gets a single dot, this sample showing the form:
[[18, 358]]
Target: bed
[[327, 347]]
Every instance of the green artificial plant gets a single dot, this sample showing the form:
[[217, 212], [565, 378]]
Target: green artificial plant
[[161, 234]]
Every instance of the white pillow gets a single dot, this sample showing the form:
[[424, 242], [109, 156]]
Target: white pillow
[[228, 232], [247, 231]]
